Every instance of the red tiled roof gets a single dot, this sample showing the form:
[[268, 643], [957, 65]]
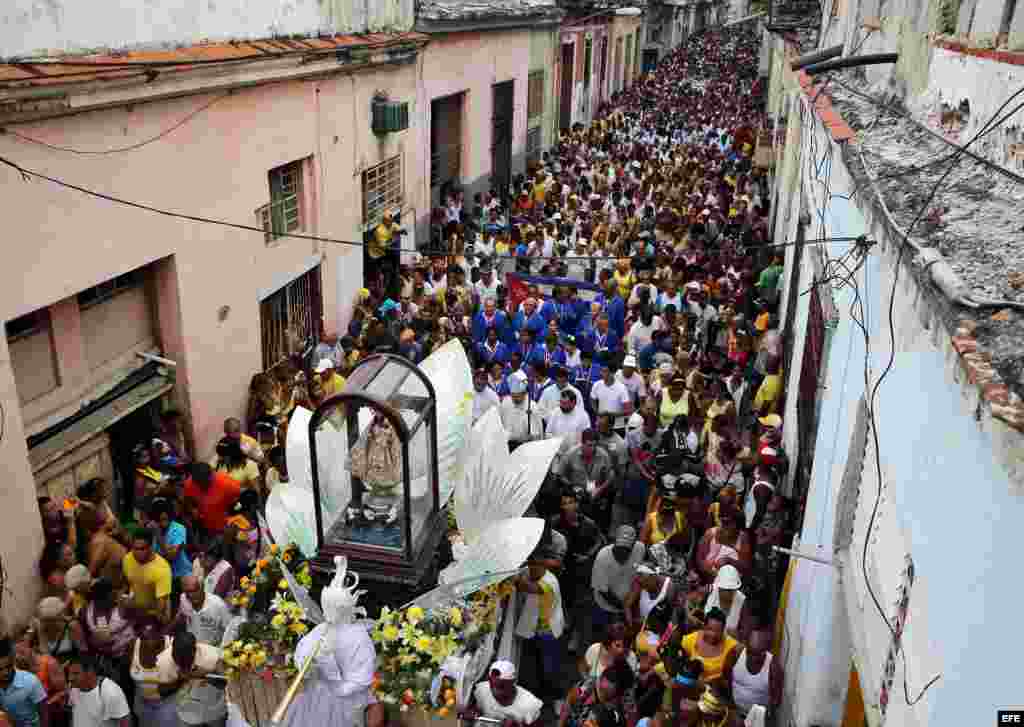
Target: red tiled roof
[[1015, 58], [113, 66], [835, 123]]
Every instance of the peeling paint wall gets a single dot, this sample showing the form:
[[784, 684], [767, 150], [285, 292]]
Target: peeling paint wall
[[33, 27], [984, 84]]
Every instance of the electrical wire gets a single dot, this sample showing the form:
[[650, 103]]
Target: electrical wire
[[27, 174], [871, 400], [132, 147], [1009, 173]]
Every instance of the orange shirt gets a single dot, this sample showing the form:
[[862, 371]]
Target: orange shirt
[[216, 501]]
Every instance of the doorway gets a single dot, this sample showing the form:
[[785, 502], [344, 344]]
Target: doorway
[[650, 59], [445, 145], [565, 105], [501, 137]]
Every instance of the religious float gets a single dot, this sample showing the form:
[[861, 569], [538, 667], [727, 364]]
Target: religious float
[[379, 476]]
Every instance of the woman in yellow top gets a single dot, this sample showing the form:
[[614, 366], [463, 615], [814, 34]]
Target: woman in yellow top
[[726, 500], [674, 402], [624, 277], [236, 465], [711, 646], [664, 522]]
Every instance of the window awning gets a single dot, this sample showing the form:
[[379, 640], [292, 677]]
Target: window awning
[[69, 438]]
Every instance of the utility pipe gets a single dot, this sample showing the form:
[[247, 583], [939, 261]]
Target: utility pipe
[[822, 55], [156, 359], [851, 62], [798, 554]]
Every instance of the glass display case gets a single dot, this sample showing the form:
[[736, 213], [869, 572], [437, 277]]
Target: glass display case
[[374, 451]]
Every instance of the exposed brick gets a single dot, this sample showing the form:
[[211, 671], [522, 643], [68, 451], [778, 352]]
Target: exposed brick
[[996, 393], [964, 344], [1011, 415]]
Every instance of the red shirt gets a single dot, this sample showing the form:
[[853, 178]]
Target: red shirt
[[216, 501]]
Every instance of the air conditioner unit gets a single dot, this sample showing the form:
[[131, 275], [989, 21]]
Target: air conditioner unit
[[390, 116]]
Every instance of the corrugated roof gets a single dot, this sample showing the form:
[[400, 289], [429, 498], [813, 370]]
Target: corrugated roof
[[75, 69], [441, 10]]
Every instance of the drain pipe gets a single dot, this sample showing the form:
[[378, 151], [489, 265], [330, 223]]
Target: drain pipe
[[851, 62], [817, 57]]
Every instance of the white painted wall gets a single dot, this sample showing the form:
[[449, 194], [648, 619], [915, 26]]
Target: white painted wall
[[30, 27], [817, 646]]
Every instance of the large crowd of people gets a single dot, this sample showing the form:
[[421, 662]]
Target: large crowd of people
[[644, 334]]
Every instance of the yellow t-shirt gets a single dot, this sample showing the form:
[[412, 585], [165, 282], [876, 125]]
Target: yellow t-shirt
[[547, 604], [381, 241], [768, 393], [540, 191], [149, 582], [334, 385]]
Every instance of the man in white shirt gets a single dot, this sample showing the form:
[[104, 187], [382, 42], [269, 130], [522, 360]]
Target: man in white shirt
[[204, 615], [199, 701], [519, 414], [550, 399], [95, 701], [502, 699], [633, 381], [484, 397], [569, 421], [612, 577], [609, 396]]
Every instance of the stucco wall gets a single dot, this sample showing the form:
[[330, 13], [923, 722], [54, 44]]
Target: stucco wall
[[481, 60], [21, 535], [29, 27], [215, 166]]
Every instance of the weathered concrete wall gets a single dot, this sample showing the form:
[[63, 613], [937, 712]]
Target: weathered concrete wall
[[29, 27]]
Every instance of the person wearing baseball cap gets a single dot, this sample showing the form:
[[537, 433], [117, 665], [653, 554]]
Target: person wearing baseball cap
[[612, 576], [501, 698]]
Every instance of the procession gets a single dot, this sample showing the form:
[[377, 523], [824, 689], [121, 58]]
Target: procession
[[537, 481]]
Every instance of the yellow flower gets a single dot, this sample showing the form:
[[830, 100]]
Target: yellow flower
[[262, 563], [423, 643], [298, 628], [251, 588], [249, 648], [274, 549], [242, 537], [414, 615], [244, 583], [278, 621], [282, 584], [390, 633], [243, 601], [259, 658], [456, 616]]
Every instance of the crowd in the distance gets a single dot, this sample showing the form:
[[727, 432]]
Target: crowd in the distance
[[656, 356]]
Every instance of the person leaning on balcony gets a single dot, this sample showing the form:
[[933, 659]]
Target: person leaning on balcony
[[379, 249]]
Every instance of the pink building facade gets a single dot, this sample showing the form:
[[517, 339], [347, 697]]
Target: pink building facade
[[284, 144]]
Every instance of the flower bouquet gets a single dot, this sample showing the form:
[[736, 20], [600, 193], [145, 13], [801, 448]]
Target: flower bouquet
[[412, 648], [259, 662]]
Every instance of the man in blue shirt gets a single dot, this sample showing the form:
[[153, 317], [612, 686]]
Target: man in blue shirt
[[661, 342], [21, 693], [170, 538], [613, 306]]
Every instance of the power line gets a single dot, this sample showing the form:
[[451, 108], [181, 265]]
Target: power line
[[29, 173], [958, 150], [132, 147], [871, 400]]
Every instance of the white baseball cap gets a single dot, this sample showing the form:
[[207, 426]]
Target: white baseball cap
[[629, 361], [728, 578], [503, 669]]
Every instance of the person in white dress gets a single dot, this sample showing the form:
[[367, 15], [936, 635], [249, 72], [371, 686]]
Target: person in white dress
[[336, 691], [501, 698]]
